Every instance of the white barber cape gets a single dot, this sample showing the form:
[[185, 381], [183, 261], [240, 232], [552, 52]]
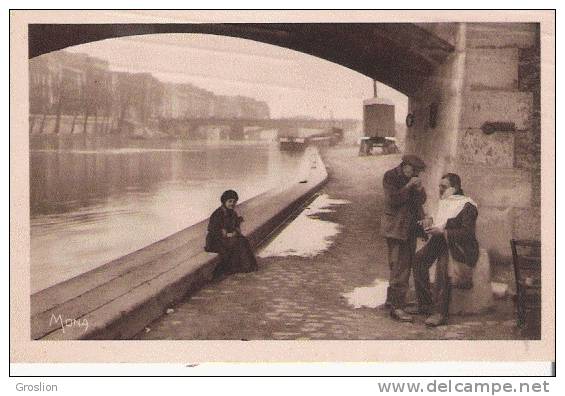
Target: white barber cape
[[449, 207]]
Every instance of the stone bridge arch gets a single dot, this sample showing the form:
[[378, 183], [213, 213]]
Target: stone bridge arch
[[462, 80], [398, 55]]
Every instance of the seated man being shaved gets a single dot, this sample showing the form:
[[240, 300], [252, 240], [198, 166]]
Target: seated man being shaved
[[453, 245]]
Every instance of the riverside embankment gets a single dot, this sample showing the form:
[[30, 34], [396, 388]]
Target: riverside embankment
[[118, 299], [327, 293]]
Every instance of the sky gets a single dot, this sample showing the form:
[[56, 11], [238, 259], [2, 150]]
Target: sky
[[292, 83]]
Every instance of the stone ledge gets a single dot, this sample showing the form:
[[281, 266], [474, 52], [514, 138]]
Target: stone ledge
[[118, 299], [128, 314]]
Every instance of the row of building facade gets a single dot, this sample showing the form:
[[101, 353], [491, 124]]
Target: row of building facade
[[70, 84]]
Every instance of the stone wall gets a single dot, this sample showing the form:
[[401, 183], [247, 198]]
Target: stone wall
[[493, 76]]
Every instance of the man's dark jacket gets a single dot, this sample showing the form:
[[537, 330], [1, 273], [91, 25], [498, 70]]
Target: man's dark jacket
[[461, 238], [402, 206]]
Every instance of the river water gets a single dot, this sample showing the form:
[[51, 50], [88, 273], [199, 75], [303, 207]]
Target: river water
[[93, 200]]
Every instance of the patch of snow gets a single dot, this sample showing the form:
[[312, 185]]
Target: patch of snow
[[306, 236], [369, 296]]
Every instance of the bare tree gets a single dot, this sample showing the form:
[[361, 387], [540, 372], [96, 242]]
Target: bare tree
[[88, 97], [44, 104], [60, 94]]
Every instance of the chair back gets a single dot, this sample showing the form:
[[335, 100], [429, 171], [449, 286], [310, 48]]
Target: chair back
[[526, 258]]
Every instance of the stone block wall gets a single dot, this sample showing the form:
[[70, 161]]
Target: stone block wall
[[492, 76], [503, 85]]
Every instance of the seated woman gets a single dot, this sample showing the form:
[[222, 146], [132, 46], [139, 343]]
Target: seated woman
[[225, 238]]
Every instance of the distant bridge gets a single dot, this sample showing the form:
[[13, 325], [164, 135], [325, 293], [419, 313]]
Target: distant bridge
[[187, 126]]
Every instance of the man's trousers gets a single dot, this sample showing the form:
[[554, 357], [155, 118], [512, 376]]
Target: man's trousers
[[400, 260], [448, 274]]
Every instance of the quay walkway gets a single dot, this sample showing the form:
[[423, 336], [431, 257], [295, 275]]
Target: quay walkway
[[300, 298]]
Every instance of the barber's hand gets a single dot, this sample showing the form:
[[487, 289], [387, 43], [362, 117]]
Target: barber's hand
[[434, 231]]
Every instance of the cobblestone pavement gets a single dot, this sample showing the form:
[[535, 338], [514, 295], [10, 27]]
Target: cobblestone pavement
[[300, 298]]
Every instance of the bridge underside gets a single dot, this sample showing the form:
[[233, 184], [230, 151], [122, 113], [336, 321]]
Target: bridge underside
[[398, 55]]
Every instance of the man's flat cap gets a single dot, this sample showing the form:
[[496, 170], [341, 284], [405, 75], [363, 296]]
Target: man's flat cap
[[414, 160]]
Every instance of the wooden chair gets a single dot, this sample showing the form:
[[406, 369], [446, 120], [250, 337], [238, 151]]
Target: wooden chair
[[526, 257]]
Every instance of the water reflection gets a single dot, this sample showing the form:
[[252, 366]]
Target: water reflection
[[96, 199]]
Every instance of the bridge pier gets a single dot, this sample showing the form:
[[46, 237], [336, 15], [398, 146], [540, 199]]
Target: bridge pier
[[492, 77]]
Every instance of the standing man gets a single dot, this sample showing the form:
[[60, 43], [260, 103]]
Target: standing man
[[404, 196]]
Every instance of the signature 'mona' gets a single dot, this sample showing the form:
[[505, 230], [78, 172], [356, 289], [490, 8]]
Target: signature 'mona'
[[69, 322]]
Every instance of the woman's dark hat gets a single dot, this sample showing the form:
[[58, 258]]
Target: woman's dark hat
[[229, 194], [414, 160]]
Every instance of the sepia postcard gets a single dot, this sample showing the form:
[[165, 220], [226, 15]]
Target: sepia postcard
[[282, 186]]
